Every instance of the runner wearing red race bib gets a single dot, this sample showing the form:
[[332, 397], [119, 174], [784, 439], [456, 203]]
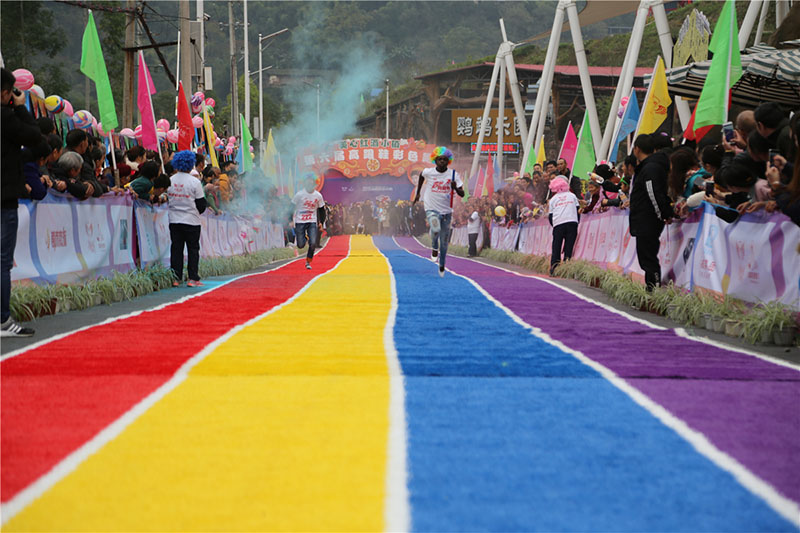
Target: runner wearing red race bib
[[306, 202], [441, 184]]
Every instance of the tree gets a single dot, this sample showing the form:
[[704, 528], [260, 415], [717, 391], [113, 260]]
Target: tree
[[274, 114], [30, 38]]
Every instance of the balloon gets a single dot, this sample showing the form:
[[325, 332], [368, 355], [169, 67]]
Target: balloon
[[35, 89], [172, 136], [68, 108], [229, 150], [210, 111], [199, 95], [82, 119], [162, 125], [197, 102], [161, 135], [54, 103], [210, 102], [624, 100], [231, 140], [127, 132], [500, 211], [24, 79], [137, 131], [94, 123], [218, 143], [620, 111], [197, 121], [100, 131]]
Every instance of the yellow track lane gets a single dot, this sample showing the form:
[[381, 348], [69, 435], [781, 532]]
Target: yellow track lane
[[282, 427]]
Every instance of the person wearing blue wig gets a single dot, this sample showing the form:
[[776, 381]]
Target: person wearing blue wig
[[187, 201]]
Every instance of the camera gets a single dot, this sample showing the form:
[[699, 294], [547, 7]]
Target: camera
[[16, 91]]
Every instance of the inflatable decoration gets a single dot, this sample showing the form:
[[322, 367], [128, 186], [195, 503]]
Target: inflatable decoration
[[82, 119], [24, 79], [54, 103]]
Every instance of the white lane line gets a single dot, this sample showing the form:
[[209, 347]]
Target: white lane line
[[397, 510], [787, 508], [71, 462]]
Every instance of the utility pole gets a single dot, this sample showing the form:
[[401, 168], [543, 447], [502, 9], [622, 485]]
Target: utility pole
[[201, 21], [246, 70], [130, 66], [185, 73], [234, 74]]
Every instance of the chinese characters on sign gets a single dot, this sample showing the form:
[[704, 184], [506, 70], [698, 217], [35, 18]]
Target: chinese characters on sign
[[369, 157], [465, 125]]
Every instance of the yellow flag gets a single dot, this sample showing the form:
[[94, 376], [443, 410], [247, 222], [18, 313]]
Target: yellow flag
[[211, 138], [269, 163], [540, 157], [654, 111]]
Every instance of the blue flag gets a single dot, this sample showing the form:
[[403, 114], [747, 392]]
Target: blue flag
[[628, 125]]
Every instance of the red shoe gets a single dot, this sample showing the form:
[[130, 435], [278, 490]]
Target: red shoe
[[195, 283], [176, 283]]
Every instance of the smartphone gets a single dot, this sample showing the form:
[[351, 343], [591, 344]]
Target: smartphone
[[710, 188], [727, 130], [772, 154]]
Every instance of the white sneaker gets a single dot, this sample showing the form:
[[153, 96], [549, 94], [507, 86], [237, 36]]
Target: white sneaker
[[10, 328], [434, 255], [441, 271], [308, 266]]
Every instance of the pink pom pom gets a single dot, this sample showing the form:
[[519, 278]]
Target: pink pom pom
[[24, 79]]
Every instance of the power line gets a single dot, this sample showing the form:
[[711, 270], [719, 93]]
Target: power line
[[97, 7]]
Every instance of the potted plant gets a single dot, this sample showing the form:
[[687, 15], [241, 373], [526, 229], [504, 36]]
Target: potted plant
[[662, 296], [732, 311], [780, 321]]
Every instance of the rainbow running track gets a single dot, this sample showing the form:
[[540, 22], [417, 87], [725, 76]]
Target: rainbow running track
[[369, 394]]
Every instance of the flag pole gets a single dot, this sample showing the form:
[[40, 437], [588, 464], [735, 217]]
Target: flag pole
[[147, 81], [563, 141]]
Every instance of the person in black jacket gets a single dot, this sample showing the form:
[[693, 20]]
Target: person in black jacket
[[650, 206], [19, 129], [78, 142]]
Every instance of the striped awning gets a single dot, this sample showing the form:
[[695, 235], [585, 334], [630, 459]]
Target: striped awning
[[770, 75]]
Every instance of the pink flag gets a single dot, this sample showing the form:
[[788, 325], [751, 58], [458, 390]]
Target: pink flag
[[569, 146], [478, 191], [145, 104]]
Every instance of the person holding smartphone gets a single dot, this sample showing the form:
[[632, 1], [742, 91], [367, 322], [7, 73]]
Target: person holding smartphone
[[19, 129]]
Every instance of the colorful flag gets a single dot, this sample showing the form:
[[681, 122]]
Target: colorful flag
[[627, 126], [690, 134], [657, 101], [488, 184], [144, 101], [94, 66], [185, 127], [246, 162], [268, 164], [569, 146], [211, 138], [478, 190], [724, 72], [584, 155], [540, 157]]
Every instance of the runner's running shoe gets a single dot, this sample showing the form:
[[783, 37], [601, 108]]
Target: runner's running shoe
[[441, 271], [195, 283]]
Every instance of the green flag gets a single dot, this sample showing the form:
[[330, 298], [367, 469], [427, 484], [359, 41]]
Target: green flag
[[584, 155], [724, 72], [247, 160], [94, 66]]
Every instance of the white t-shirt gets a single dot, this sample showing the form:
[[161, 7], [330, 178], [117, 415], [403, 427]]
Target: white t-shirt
[[474, 223], [436, 194], [306, 204], [184, 189], [564, 208]]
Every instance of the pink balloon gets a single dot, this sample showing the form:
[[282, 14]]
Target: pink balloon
[[162, 125], [68, 108], [100, 131], [24, 79], [210, 102], [218, 143], [197, 121], [624, 100], [172, 136], [127, 132], [231, 140], [137, 131]]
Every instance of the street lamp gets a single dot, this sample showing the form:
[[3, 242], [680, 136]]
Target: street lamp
[[261, 87]]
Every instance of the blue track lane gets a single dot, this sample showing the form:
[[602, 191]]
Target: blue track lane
[[508, 433]]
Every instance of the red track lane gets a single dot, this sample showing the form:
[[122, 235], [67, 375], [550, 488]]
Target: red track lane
[[57, 397]]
